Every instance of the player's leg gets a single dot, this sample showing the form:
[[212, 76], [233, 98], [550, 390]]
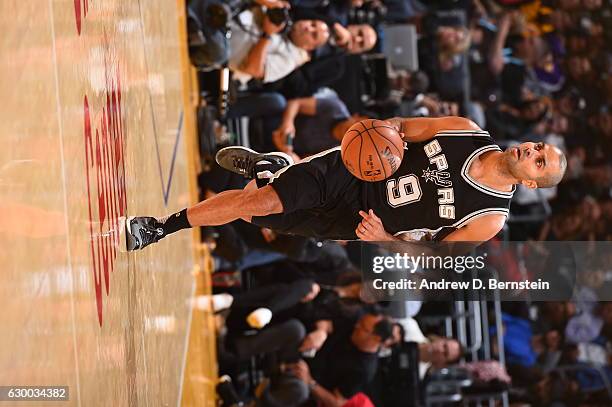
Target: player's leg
[[251, 186], [228, 206], [222, 208]]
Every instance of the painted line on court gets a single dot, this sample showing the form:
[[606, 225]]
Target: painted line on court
[[165, 187], [66, 222], [186, 347], [174, 151]]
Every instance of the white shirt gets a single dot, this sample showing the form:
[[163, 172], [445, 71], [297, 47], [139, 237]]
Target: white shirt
[[282, 56]]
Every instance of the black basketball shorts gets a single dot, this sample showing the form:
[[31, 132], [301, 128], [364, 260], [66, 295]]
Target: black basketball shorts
[[320, 199]]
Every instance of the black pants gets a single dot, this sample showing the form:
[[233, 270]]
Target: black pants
[[284, 391], [320, 198], [237, 238], [282, 339]]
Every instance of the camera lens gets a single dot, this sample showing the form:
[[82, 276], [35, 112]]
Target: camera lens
[[278, 16]]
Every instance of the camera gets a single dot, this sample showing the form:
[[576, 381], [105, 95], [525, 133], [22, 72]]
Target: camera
[[219, 14], [278, 16]]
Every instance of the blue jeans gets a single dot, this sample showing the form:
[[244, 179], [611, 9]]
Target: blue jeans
[[258, 105]]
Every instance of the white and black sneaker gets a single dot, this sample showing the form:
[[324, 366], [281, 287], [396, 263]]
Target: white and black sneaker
[[141, 231], [244, 161]]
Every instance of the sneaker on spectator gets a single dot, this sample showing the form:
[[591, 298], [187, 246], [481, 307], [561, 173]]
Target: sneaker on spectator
[[259, 318], [219, 302]]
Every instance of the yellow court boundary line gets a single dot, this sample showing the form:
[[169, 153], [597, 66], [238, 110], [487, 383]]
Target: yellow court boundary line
[[200, 375]]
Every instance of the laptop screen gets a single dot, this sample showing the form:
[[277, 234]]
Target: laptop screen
[[400, 46]]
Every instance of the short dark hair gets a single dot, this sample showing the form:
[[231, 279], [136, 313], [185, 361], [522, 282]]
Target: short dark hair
[[383, 329], [462, 350], [550, 180]]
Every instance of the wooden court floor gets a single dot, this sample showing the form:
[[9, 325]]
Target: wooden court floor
[[97, 122]]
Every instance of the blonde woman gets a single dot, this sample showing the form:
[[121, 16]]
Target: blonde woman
[[441, 55], [452, 41]]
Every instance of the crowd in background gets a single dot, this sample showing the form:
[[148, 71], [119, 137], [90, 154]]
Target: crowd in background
[[303, 72]]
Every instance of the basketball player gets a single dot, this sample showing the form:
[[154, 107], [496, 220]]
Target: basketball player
[[454, 184]]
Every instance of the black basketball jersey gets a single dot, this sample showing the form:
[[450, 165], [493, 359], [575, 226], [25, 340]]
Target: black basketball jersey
[[432, 192]]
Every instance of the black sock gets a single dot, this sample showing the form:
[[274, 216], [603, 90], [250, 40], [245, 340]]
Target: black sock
[[176, 222]]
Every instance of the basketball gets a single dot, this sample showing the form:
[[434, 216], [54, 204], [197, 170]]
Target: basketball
[[372, 150]]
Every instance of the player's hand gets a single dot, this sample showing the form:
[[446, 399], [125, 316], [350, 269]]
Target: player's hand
[[313, 340], [371, 229]]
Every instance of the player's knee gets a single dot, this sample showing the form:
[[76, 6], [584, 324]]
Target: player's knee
[[251, 186], [265, 201], [270, 200]]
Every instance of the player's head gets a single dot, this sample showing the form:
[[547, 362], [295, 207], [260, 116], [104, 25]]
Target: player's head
[[536, 165], [309, 34]]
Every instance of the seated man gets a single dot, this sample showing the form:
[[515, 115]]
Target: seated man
[[454, 184], [354, 38], [257, 48], [313, 124], [329, 64], [347, 362]]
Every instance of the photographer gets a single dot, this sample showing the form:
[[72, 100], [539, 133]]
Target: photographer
[[260, 51], [261, 45]]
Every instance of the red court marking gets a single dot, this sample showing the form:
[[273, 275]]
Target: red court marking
[[105, 171], [77, 13]]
